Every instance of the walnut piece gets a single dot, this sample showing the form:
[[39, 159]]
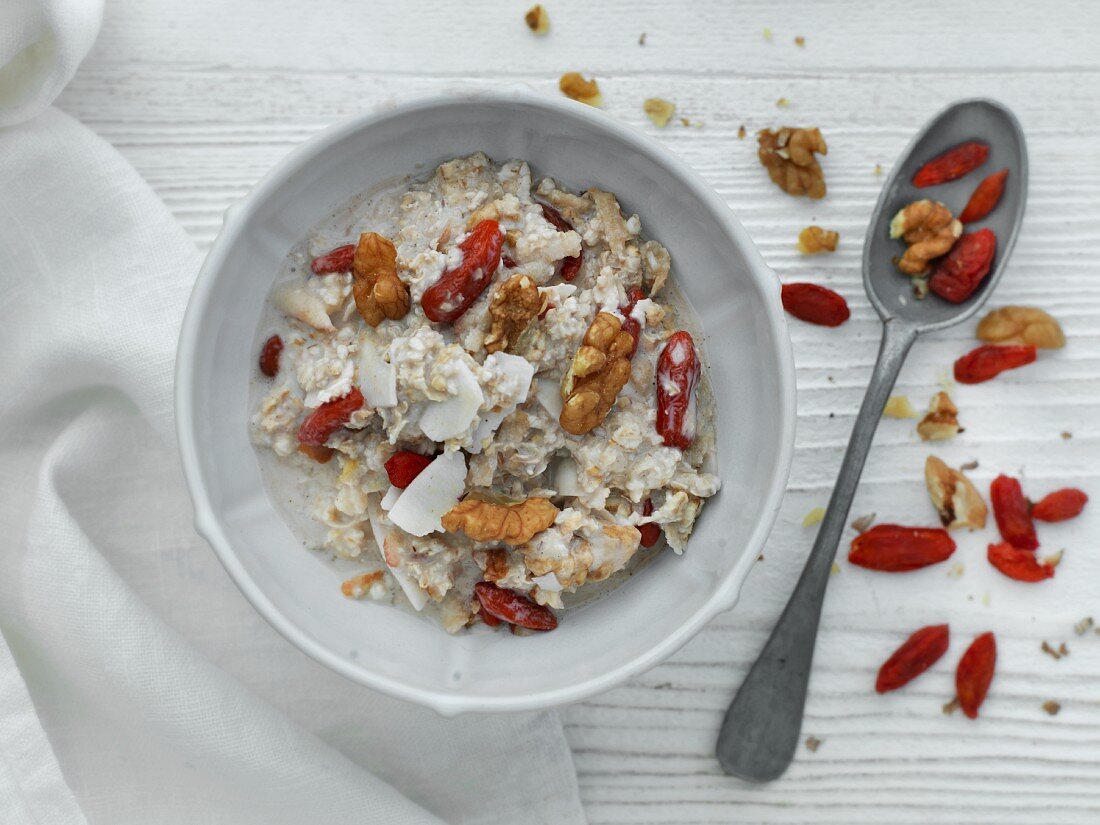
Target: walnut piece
[[611, 220], [537, 19], [656, 264], [516, 303], [898, 406], [573, 85], [511, 524], [358, 586], [814, 239], [953, 495], [599, 371], [942, 420], [659, 110], [930, 230], [788, 155], [1021, 325], [377, 290]]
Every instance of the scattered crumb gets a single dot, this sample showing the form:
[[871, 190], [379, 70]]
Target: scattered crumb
[[951, 707], [1054, 559], [861, 524], [1051, 707], [878, 168], [970, 465], [537, 20], [812, 744], [986, 600], [659, 110], [741, 132], [920, 288], [760, 557], [813, 517], [834, 569], [767, 34], [782, 103], [813, 240], [662, 686], [1066, 435], [1083, 626], [574, 86], [956, 571], [1052, 653], [641, 39], [800, 41], [898, 406], [946, 381]]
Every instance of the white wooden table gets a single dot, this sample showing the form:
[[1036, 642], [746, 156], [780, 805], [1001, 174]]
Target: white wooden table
[[204, 96]]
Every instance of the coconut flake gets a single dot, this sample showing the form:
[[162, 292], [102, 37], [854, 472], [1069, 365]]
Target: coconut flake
[[548, 392], [390, 498], [452, 416], [419, 509], [565, 477], [382, 529], [377, 377], [304, 306], [514, 384]]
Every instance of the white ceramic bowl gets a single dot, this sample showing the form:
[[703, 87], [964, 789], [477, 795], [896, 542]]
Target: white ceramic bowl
[[603, 643]]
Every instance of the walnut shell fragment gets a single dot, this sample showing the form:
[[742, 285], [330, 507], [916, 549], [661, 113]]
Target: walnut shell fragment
[[930, 230], [942, 420], [599, 371], [789, 156], [515, 304], [953, 495], [511, 524], [379, 293], [1021, 325]]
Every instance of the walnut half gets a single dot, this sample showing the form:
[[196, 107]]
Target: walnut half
[[377, 290], [955, 498], [1021, 325], [515, 304], [788, 155], [511, 524], [930, 230], [599, 371]]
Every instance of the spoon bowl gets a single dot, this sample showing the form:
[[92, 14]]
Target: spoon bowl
[[761, 729]]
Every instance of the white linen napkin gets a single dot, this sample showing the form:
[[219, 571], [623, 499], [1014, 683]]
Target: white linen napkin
[[136, 684]]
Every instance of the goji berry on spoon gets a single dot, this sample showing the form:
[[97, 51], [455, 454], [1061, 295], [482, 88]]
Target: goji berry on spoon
[[952, 164], [985, 197]]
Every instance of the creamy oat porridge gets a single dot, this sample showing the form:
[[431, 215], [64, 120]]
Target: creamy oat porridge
[[482, 387]]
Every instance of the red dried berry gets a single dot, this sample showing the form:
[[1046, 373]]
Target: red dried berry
[[974, 674], [403, 466], [1018, 564], [892, 548], [269, 356], [338, 260], [677, 375], [514, 608], [918, 653], [1011, 511], [952, 164], [321, 454], [1060, 505], [447, 299], [569, 266], [961, 271], [651, 533], [328, 418], [990, 360], [815, 304], [985, 197]]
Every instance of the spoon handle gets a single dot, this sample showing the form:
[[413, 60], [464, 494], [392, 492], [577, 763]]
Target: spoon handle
[[760, 732]]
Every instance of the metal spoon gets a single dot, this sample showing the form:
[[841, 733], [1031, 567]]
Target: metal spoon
[[761, 729]]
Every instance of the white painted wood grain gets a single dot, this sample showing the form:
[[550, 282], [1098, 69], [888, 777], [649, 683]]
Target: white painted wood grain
[[203, 97]]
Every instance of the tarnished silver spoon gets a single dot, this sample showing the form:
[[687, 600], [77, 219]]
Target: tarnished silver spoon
[[761, 729]]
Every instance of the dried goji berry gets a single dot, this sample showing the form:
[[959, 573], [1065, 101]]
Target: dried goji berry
[[974, 673], [990, 360], [338, 260], [895, 549], [985, 197], [651, 533], [319, 453], [952, 164], [456, 290], [677, 375], [1060, 505], [569, 266], [403, 466], [815, 304], [630, 326], [269, 356], [1018, 564], [488, 618], [1011, 512], [514, 608], [961, 271], [328, 418], [918, 653]]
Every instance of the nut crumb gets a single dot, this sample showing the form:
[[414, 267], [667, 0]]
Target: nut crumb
[[574, 86], [812, 744], [1083, 626], [1066, 435], [834, 569], [1051, 707], [782, 103], [941, 421], [741, 132], [956, 571], [814, 239], [898, 406], [659, 110], [920, 288], [813, 517], [878, 168], [986, 599], [537, 19], [863, 523], [968, 466], [1054, 559], [767, 34], [358, 586], [641, 39], [1052, 653], [800, 41], [951, 707]]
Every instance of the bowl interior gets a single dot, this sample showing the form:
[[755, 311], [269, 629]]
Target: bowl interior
[[745, 344]]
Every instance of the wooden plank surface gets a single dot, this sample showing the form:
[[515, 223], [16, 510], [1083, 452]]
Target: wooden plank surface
[[204, 97]]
